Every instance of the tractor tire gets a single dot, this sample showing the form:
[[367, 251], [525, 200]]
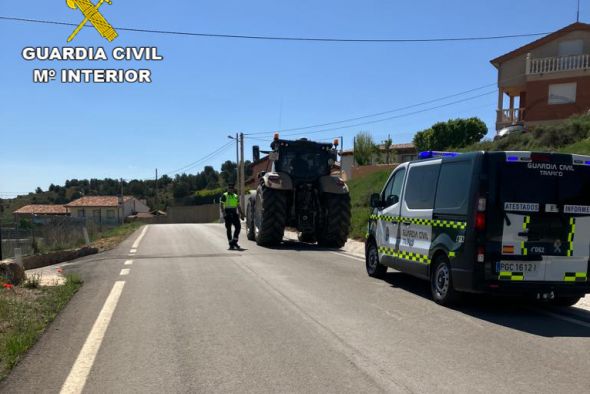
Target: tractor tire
[[308, 238], [270, 215], [250, 231], [334, 233]]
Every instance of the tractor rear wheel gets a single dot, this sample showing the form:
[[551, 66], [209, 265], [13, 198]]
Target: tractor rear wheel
[[334, 233]]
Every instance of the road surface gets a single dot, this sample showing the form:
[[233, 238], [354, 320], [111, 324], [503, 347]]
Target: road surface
[[172, 310]]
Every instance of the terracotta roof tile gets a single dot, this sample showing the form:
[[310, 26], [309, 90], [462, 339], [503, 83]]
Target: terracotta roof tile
[[97, 201], [42, 209]]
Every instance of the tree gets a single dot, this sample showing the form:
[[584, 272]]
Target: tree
[[364, 147], [455, 133], [228, 172], [38, 190]]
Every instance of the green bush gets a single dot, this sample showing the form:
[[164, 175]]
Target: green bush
[[207, 196]]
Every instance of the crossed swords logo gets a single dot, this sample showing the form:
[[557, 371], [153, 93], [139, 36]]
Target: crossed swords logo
[[92, 15]]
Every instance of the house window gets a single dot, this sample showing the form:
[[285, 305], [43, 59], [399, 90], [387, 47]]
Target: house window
[[562, 93], [111, 214], [570, 48]]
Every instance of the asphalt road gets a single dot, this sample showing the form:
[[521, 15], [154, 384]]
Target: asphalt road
[[191, 316]]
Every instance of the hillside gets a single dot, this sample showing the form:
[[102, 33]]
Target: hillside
[[360, 193], [570, 136]]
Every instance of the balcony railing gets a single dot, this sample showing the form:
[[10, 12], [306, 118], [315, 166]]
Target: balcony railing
[[510, 116], [557, 64]]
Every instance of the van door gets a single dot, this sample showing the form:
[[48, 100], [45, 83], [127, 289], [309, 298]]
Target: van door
[[543, 201], [388, 218], [416, 217]]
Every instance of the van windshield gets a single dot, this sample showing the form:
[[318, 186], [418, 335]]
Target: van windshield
[[545, 183]]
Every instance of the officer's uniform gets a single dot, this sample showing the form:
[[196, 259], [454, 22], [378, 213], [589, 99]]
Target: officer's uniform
[[230, 205]]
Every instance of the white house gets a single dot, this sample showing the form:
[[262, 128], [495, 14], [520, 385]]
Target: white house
[[106, 209]]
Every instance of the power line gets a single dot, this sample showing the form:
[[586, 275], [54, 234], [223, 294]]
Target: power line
[[201, 160], [395, 116], [283, 38], [377, 113]]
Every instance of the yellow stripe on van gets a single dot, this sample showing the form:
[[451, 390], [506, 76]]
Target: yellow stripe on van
[[512, 276], [570, 237], [575, 277]]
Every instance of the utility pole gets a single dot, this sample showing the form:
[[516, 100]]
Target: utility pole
[[578, 15], [156, 197], [242, 174], [238, 163]]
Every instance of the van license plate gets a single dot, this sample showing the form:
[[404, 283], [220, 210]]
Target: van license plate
[[515, 267]]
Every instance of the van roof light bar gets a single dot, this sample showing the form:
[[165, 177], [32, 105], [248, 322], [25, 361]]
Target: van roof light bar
[[431, 154]]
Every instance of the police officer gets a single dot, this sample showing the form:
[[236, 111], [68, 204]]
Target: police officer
[[232, 212]]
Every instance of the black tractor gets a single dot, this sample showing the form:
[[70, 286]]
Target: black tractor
[[298, 191]]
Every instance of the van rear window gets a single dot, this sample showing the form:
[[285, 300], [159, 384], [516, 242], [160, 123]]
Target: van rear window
[[453, 187], [544, 183], [421, 185]]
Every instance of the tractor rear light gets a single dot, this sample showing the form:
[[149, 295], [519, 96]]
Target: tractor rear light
[[481, 204], [481, 254], [480, 221], [276, 136], [541, 157], [336, 142], [340, 182]]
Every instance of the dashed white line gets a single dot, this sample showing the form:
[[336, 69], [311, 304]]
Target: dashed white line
[[133, 251], [128, 262], [125, 271], [79, 373]]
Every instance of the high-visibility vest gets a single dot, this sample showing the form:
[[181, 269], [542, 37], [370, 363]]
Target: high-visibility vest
[[231, 200]]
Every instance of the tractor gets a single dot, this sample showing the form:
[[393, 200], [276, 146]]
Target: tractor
[[298, 191]]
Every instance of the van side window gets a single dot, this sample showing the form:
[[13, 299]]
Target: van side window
[[453, 186], [421, 186], [393, 191]]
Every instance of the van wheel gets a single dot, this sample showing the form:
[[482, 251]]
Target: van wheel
[[566, 301], [374, 268], [441, 282]]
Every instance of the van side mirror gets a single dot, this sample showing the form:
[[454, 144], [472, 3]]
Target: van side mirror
[[376, 200]]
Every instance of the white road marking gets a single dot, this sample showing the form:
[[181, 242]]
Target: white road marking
[[79, 373], [138, 240], [358, 258], [133, 251], [128, 262], [125, 271], [562, 317]]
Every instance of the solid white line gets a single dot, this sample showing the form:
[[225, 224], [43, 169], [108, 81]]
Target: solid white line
[[358, 258], [128, 262], [79, 374], [133, 251], [138, 240], [562, 317], [125, 271]]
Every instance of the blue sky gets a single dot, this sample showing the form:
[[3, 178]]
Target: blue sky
[[207, 88]]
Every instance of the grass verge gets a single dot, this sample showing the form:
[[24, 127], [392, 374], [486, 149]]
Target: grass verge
[[360, 193], [113, 237], [24, 315]]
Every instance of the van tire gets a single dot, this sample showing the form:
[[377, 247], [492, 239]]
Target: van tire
[[374, 268], [441, 282], [566, 301]]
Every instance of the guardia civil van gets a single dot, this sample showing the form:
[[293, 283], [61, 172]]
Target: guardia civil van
[[486, 222]]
